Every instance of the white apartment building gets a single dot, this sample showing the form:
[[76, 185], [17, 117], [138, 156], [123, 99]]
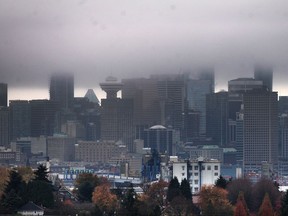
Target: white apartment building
[[199, 172]]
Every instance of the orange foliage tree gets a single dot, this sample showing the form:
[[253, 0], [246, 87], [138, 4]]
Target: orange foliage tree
[[104, 199], [213, 201], [4, 173], [241, 206], [266, 208]]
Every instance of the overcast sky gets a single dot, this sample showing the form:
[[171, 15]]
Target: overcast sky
[[135, 38]]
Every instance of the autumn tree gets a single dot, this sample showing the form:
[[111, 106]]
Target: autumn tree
[[4, 177], [156, 193], [26, 173], [104, 199], [241, 208], [262, 187], [266, 208], [244, 185], [213, 201]]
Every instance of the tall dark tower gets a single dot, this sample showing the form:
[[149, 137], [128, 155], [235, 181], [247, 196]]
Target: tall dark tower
[[62, 89], [265, 74], [3, 94], [116, 114]]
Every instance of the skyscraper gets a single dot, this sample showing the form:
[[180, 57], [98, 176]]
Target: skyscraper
[[4, 127], [43, 117], [3, 94], [20, 119], [264, 73], [217, 117], [62, 89], [260, 128], [116, 114]]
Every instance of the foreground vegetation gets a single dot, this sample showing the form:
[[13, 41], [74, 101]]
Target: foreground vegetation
[[96, 197]]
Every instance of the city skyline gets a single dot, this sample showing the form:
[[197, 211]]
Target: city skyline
[[95, 39]]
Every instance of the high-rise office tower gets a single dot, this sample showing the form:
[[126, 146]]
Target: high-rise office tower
[[144, 93], [283, 104], [260, 128], [171, 91], [20, 119], [62, 89], [159, 138], [217, 112], [3, 94], [283, 136], [43, 117], [4, 127], [158, 100], [264, 73], [116, 114], [197, 90]]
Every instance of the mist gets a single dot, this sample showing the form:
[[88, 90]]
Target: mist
[[94, 39]]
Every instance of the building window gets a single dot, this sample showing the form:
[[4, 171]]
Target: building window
[[215, 167], [196, 174], [195, 181], [195, 167], [183, 167], [196, 189], [216, 174], [183, 174], [209, 167], [203, 167]]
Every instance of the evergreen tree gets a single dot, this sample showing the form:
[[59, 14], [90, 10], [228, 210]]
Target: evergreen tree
[[186, 190], [266, 208], [128, 202], [221, 182], [284, 204], [11, 199], [15, 182], [173, 189], [41, 174]]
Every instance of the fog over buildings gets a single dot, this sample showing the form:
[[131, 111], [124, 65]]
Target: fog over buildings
[[94, 39]]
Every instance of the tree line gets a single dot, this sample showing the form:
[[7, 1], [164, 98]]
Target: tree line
[[239, 197]]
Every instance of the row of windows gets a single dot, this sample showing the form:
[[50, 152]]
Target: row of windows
[[204, 167], [197, 174]]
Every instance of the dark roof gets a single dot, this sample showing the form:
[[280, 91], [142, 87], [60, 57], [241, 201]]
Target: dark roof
[[30, 206]]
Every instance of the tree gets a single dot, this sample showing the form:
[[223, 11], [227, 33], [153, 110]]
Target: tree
[[41, 174], [213, 201], [243, 185], [284, 204], [156, 193], [40, 192], [186, 190], [104, 199], [262, 187], [241, 206], [26, 173], [221, 182], [85, 185], [128, 204], [11, 198], [4, 177], [266, 208], [173, 189]]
